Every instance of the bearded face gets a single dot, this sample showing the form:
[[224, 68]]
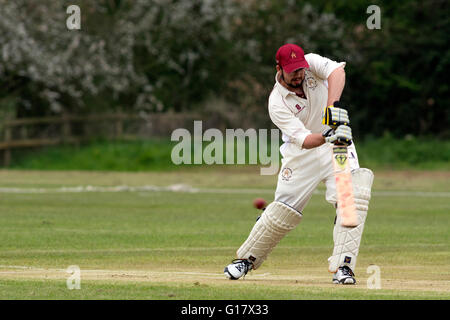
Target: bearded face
[[295, 78]]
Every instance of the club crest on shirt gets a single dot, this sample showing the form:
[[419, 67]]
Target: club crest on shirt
[[286, 174], [299, 108], [311, 83]]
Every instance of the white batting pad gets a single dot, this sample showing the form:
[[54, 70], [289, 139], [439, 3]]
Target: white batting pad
[[347, 240], [275, 222]]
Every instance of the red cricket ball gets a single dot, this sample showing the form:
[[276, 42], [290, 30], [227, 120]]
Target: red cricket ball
[[259, 203]]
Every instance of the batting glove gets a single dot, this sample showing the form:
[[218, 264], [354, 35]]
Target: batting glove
[[342, 135], [334, 116]]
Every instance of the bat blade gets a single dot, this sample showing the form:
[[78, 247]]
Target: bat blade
[[344, 189]]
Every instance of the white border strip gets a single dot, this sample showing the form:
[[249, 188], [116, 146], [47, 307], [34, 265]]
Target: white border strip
[[188, 189]]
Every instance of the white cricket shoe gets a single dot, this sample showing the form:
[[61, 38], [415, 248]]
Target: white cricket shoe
[[237, 268], [344, 275]]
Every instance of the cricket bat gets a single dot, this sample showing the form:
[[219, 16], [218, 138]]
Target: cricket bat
[[344, 189]]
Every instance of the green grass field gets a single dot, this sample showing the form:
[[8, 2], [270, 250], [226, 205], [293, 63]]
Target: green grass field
[[174, 243]]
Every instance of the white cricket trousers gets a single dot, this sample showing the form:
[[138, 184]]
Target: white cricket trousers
[[303, 169]]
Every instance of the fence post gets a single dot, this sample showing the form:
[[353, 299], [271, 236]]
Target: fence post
[[7, 152], [66, 127], [119, 124], [24, 132]]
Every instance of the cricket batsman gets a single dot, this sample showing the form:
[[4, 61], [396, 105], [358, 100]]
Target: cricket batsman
[[304, 105]]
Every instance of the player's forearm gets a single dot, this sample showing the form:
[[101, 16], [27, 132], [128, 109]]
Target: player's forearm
[[313, 140], [336, 84]]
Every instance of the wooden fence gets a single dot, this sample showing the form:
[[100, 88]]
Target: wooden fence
[[73, 129]]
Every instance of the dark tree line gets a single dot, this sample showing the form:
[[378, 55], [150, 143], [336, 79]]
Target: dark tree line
[[217, 57]]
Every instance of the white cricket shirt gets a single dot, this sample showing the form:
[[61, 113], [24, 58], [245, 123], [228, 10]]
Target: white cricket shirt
[[297, 117]]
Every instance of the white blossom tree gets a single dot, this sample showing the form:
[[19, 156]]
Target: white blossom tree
[[152, 55]]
